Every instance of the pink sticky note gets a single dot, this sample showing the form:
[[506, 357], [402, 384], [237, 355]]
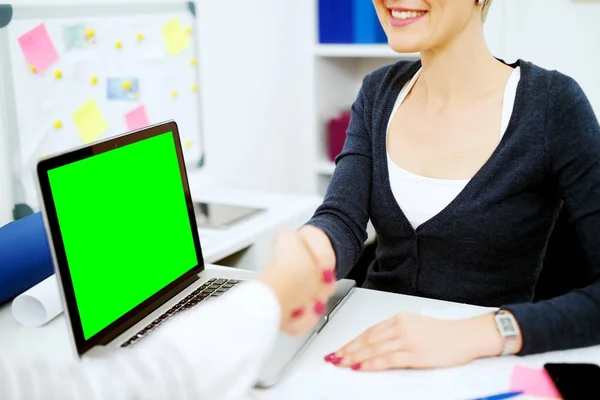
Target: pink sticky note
[[38, 48], [137, 118], [533, 382]]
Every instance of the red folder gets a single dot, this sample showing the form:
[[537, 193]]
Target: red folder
[[336, 134]]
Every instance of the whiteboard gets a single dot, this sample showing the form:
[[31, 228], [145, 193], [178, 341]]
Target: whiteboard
[[117, 68]]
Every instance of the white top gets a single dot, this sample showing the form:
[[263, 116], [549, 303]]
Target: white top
[[419, 197], [200, 354]]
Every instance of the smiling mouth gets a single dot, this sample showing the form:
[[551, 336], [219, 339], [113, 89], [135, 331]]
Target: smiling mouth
[[404, 15]]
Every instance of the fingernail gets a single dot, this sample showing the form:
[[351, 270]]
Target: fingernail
[[356, 367], [298, 313], [335, 360], [328, 276], [329, 357], [319, 307]]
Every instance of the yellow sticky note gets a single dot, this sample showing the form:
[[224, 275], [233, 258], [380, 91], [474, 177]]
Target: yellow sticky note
[[57, 124], [188, 144], [119, 44], [89, 33], [32, 69], [89, 121], [94, 80], [195, 87], [58, 74], [175, 38], [140, 37]]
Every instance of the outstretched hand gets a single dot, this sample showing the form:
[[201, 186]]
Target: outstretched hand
[[301, 286]]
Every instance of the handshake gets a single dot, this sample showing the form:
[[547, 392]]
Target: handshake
[[301, 273]]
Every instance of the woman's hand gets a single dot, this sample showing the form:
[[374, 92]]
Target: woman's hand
[[302, 287], [416, 341]]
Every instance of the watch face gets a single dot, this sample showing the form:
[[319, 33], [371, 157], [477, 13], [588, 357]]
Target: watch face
[[507, 325]]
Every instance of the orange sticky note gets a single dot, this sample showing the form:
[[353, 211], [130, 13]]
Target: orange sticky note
[[533, 382], [38, 49]]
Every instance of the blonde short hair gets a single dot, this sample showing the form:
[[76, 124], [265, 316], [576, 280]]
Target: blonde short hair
[[485, 8]]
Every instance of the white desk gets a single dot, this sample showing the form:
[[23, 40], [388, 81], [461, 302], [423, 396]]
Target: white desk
[[313, 379]]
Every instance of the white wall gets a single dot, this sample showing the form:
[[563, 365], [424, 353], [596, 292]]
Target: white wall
[[251, 94], [558, 34]]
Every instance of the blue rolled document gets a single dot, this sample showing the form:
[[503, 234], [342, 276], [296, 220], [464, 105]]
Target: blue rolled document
[[25, 258]]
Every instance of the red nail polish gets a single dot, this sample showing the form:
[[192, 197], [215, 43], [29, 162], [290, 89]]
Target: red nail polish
[[356, 367], [319, 307], [336, 360], [329, 357], [328, 276], [298, 313]]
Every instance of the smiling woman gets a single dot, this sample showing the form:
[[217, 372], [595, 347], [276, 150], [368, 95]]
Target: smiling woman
[[462, 163]]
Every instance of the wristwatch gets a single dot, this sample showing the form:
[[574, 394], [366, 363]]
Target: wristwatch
[[509, 330]]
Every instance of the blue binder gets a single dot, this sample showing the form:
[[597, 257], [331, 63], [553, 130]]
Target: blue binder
[[335, 21], [366, 26]]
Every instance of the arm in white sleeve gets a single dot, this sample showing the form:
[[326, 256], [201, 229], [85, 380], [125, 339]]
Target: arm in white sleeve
[[214, 351]]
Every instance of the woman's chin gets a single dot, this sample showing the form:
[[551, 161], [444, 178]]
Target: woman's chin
[[404, 46]]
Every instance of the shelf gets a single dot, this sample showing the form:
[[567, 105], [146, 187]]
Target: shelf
[[361, 51], [325, 167]]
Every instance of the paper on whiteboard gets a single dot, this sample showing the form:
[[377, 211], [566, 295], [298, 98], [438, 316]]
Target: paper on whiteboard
[[38, 49], [38, 305]]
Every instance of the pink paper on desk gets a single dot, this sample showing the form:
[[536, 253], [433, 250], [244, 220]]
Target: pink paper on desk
[[38, 48], [137, 118], [533, 382]]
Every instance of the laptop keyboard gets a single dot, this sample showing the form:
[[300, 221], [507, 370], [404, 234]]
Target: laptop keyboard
[[212, 288]]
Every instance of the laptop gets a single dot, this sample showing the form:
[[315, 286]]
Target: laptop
[[124, 239]]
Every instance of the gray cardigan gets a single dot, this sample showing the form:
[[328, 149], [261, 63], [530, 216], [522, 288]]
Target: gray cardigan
[[487, 246]]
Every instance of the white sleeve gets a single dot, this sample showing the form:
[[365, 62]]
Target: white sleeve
[[214, 351]]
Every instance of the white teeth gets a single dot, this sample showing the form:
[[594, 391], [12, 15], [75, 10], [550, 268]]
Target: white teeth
[[407, 14]]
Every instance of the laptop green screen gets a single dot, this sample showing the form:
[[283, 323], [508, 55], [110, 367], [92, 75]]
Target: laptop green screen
[[125, 227]]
